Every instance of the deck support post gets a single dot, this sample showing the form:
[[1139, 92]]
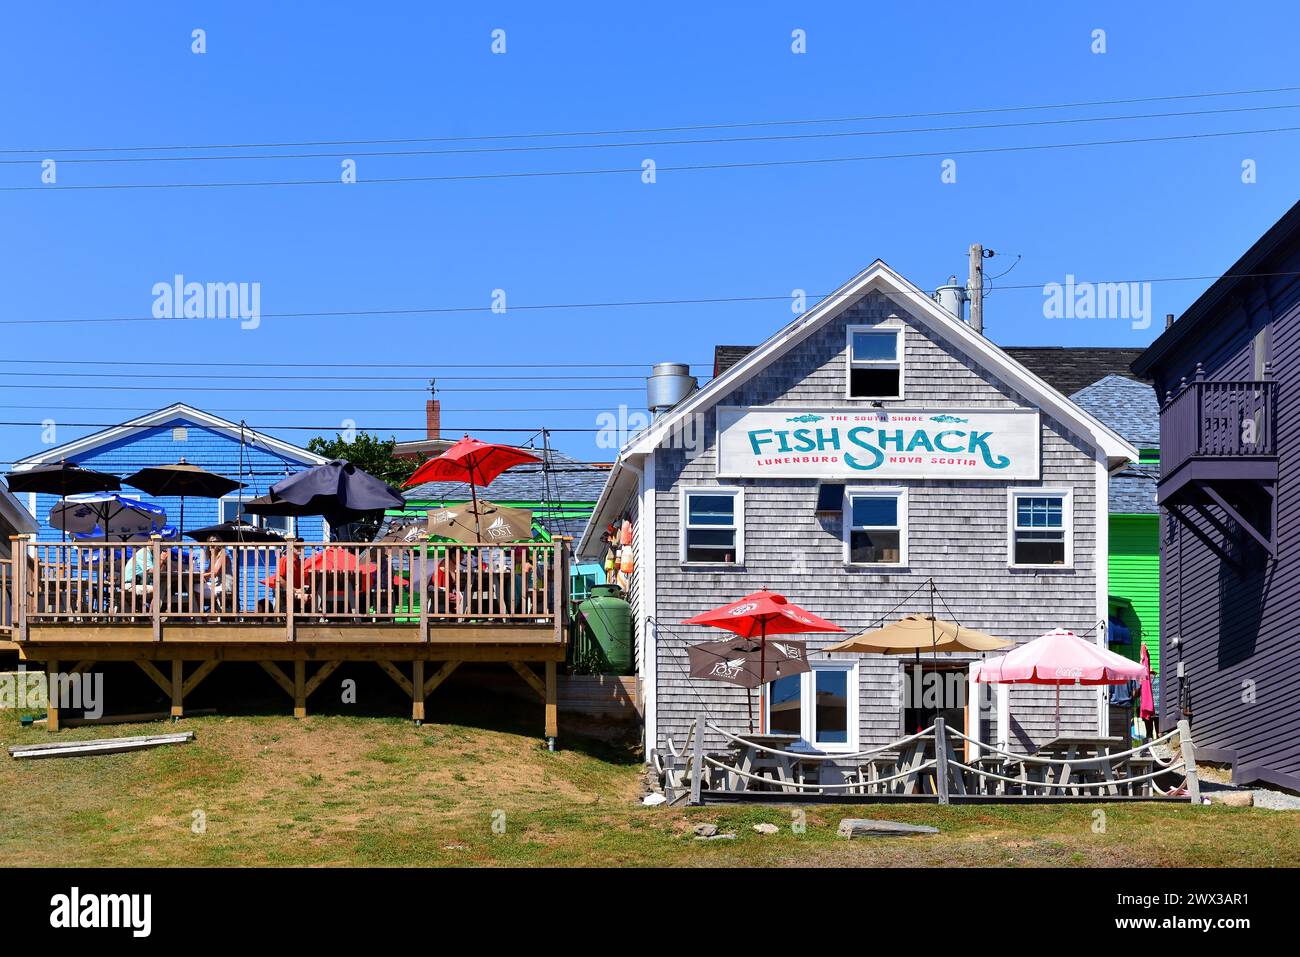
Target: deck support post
[[552, 706], [21, 585], [417, 691], [1189, 760], [178, 689], [52, 695], [299, 688]]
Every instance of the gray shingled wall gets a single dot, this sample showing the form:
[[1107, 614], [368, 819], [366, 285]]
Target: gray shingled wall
[[958, 536]]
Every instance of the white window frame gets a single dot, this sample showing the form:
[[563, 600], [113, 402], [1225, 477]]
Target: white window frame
[[1067, 522], [738, 493], [850, 363], [258, 520], [808, 709], [868, 491]]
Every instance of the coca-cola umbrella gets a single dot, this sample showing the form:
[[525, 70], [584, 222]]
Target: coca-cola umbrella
[[473, 462], [62, 478], [336, 490], [181, 479], [760, 615]]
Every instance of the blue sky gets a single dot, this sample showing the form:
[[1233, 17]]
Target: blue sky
[[95, 76]]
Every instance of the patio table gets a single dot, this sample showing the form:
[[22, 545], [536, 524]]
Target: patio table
[[1086, 760], [751, 759]]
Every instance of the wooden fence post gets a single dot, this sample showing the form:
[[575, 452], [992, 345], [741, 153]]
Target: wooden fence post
[[290, 544], [155, 586], [941, 767], [19, 594], [697, 763], [422, 590], [1189, 760]]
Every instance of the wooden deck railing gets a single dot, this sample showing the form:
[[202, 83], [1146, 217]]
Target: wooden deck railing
[[289, 584]]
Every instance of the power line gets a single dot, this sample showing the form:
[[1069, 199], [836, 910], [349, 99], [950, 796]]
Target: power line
[[332, 378], [238, 388], [685, 168], [607, 304], [346, 365], [712, 141], [667, 129], [314, 411]]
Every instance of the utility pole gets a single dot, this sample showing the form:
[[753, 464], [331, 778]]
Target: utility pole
[[975, 287]]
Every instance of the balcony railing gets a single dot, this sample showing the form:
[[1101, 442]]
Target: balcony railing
[[388, 583], [1208, 419]]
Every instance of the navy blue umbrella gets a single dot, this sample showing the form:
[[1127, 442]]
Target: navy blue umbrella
[[337, 490]]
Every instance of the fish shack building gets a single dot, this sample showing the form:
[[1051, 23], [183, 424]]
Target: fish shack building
[[875, 445]]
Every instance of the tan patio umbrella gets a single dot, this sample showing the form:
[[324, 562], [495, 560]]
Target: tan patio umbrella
[[497, 523], [916, 633]]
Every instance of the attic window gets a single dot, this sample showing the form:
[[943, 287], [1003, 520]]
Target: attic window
[[180, 434], [875, 362]]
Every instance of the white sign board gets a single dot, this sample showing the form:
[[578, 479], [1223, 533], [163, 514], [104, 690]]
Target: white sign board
[[933, 443]]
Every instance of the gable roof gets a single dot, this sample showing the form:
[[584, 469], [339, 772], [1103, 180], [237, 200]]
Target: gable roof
[[878, 277], [1280, 234], [1065, 368], [1128, 406], [176, 412]]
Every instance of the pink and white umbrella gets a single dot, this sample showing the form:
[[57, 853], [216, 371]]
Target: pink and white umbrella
[[1059, 658]]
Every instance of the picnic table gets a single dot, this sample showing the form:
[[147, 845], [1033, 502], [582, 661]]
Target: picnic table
[[750, 758], [1086, 760]]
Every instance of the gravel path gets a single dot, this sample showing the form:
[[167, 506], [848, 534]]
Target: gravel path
[[1220, 780]]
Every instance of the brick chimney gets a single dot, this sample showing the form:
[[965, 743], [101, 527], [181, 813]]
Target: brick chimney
[[433, 418]]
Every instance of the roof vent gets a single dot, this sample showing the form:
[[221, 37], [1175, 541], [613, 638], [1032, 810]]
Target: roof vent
[[668, 384]]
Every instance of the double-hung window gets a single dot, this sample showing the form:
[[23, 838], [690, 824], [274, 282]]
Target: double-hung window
[[875, 364], [713, 526], [1041, 528], [875, 527], [820, 706]]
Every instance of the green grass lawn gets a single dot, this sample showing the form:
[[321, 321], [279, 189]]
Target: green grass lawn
[[339, 790]]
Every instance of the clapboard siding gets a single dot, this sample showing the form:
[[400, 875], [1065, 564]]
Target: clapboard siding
[[1236, 626], [957, 535]]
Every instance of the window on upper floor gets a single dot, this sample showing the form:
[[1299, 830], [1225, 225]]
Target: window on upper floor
[[875, 362], [1041, 528], [875, 527], [713, 526]]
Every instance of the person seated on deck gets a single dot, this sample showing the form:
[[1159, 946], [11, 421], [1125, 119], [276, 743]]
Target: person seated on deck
[[139, 570], [443, 600], [217, 583]]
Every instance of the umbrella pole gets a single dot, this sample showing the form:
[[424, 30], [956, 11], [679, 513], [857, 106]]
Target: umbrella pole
[[1058, 710], [473, 494], [762, 672]]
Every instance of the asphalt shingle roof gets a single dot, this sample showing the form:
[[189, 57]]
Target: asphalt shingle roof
[[1127, 406], [1133, 491]]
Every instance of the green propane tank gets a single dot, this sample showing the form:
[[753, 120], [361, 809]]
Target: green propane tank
[[609, 621]]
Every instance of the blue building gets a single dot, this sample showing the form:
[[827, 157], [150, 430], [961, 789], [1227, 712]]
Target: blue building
[[165, 437]]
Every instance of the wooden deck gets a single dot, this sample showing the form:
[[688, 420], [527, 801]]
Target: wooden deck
[[178, 610]]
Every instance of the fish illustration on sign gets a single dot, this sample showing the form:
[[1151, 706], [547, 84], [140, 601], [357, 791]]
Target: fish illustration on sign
[[947, 418], [806, 417]]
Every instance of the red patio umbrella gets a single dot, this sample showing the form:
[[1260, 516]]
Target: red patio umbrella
[[761, 614], [471, 461]]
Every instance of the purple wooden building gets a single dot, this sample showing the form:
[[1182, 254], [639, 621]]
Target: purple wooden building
[[1226, 373]]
